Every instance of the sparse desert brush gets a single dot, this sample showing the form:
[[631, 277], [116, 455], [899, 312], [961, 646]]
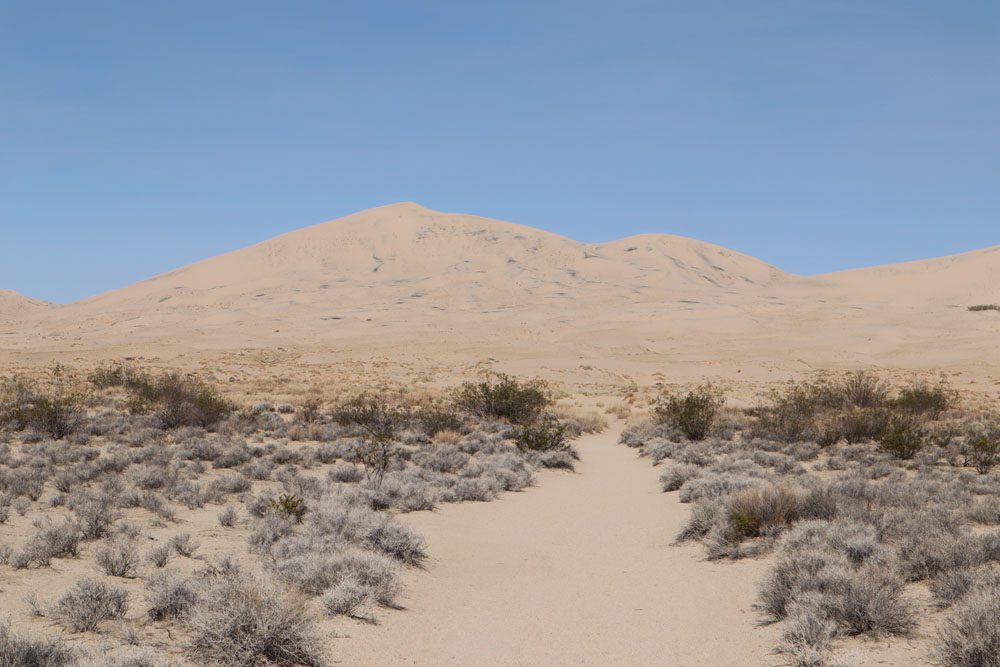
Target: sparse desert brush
[[177, 400], [970, 636], [984, 306], [25, 651], [502, 396], [89, 602], [170, 596], [290, 507], [619, 411], [692, 413], [56, 411], [117, 557], [244, 621]]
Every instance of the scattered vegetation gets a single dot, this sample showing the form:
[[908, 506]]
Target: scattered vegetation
[[321, 481], [859, 489]]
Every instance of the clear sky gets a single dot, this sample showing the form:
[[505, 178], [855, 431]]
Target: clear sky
[[137, 136]]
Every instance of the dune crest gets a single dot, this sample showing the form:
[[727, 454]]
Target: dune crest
[[403, 280]]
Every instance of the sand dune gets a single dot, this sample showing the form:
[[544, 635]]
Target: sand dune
[[15, 306], [403, 280]]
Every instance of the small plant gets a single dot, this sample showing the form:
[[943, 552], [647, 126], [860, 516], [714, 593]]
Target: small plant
[[184, 545], [159, 555], [89, 602], [983, 451], [170, 596], [118, 557], [901, 437], [693, 413], [545, 435], [227, 517], [501, 396], [380, 421], [290, 507]]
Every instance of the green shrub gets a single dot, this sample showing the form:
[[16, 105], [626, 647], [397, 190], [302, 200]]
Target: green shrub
[[56, 411], [983, 451], [177, 400], [920, 398], [289, 506], [433, 420], [380, 421], [902, 437], [545, 435], [693, 413], [504, 397]]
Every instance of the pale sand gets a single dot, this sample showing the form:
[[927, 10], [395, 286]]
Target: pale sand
[[581, 570], [577, 571]]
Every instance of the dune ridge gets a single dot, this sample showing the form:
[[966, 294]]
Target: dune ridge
[[405, 280]]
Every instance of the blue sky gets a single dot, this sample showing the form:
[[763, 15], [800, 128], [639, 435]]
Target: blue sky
[[139, 136]]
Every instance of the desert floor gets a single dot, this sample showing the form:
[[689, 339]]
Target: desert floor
[[579, 570]]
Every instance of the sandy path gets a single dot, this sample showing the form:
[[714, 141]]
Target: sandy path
[[577, 571]]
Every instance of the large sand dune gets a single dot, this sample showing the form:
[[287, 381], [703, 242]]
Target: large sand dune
[[402, 281]]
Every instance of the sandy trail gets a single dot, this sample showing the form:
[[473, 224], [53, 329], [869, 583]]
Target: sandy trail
[[579, 570]]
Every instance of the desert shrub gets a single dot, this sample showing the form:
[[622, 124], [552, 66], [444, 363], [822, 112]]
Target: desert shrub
[[117, 374], [901, 437], [227, 517], [184, 544], [50, 540], [983, 451], [380, 421], [544, 435], [872, 602], [22, 651], [501, 396], [118, 557], [807, 632], [677, 474], [89, 602], [984, 306], [693, 413], [854, 424], [754, 511], [345, 472], [290, 507], [921, 398], [178, 400], [244, 621], [159, 555], [433, 420], [56, 412], [170, 596], [970, 637]]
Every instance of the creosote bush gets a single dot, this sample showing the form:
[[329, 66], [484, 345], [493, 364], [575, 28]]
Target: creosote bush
[[176, 400], [544, 435], [692, 413], [501, 396]]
